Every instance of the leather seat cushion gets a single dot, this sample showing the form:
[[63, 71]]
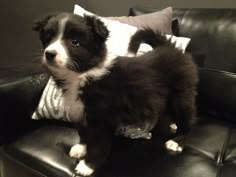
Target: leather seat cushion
[[210, 151]]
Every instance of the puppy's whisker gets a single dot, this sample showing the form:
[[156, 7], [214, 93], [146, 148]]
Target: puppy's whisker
[[73, 65], [76, 66]]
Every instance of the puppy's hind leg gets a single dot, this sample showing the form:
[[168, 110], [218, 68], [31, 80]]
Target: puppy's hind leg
[[184, 109], [184, 116], [184, 78]]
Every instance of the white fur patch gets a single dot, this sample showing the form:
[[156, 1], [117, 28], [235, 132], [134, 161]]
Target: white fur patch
[[74, 81], [98, 71], [173, 146], [129, 54], [173, 128], [83, 169], [73, 104], [78, 151], [61, 53], [57, 46]]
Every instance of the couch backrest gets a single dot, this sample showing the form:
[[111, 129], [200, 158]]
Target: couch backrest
[[213, 46], [212, 33]]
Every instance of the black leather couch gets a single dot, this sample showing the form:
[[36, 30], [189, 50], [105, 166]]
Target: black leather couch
[[40, 148]]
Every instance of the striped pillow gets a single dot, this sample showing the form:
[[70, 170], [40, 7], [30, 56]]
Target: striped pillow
[[51, 105]]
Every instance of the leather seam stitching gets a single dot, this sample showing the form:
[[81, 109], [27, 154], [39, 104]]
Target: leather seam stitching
[[200, 152], [217, 71], [222, 153]]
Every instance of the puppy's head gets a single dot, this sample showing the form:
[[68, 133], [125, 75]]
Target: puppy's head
[[72, 42]]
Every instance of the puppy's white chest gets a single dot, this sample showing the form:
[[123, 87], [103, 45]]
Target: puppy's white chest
[[73, 104]]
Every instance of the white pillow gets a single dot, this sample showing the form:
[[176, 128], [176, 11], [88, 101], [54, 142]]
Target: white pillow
[[120, 34], [51, 104]]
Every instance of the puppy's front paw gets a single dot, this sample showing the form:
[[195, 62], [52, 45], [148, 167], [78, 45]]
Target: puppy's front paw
[[173, 146], [78, 151], [83, 169]]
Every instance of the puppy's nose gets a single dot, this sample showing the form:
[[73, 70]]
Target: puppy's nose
[[50, 55]]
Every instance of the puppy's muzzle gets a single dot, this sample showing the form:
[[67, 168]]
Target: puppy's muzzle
[[50, 56]]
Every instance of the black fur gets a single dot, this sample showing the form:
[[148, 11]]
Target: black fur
[[155, 39], [157, 87]]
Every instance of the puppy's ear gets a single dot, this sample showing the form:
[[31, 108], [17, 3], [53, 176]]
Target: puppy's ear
[[97, 26], [40, 22]]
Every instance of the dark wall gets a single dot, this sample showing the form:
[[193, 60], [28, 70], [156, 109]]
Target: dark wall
[[18, 43], [121, 7]]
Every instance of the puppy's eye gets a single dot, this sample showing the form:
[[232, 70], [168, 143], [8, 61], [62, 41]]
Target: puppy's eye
[[75, 42]]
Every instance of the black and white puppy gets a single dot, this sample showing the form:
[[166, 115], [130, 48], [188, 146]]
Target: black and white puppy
[[102, 93]]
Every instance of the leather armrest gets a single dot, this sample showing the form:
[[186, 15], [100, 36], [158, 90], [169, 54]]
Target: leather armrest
[[13, 73], [18, 100]]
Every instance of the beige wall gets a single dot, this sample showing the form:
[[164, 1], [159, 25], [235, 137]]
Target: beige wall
[[121, 7]]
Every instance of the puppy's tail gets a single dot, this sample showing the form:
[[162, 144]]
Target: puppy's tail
[[148, 36]]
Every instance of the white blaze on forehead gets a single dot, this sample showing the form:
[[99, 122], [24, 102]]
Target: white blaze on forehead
[[62, 26], [57, 46]]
